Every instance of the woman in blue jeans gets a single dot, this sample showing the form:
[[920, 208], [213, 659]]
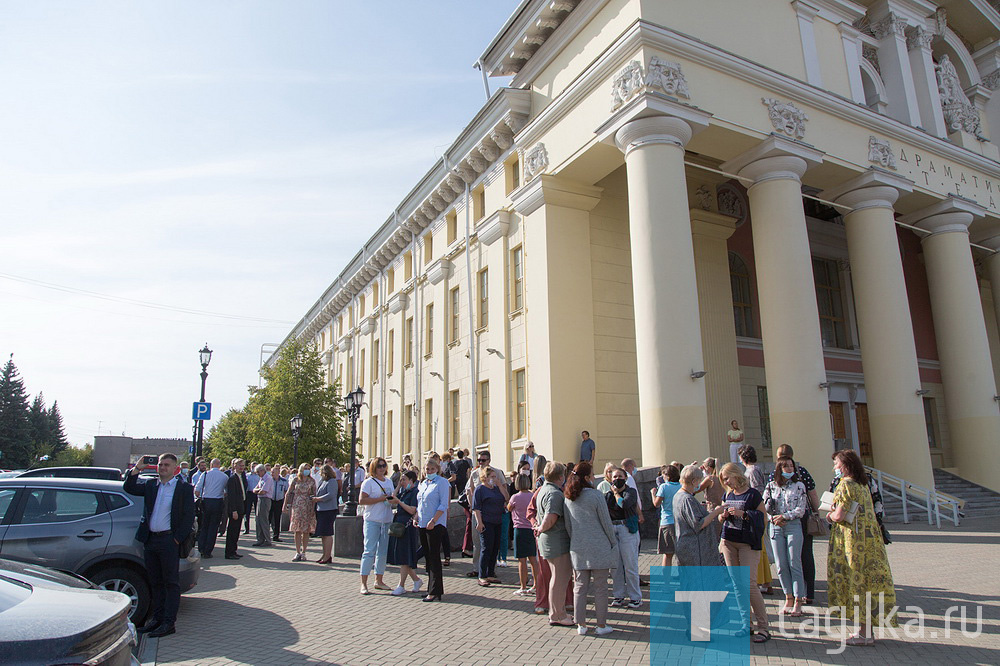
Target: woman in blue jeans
[[488, 506], [786, 502], [378, 502]]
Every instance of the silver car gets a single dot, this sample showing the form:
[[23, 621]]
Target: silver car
[[82, 526]]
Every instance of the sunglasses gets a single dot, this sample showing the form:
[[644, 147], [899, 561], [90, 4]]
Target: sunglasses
[[482, 460], [381, 465]]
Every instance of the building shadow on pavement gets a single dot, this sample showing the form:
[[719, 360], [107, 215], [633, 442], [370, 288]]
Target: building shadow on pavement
[[213, 580]]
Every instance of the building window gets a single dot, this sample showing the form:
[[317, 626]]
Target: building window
[[456, 304], [739, 280], [765, 417], [452, 219], [374, 436], [350, 370], [520, 405], [428, 248], [391, 351], [388, 433], [361, 369], [375, 350], [516, 279], [361, 307], [407, 266], [391, 281], [408, 429], [374, 295], [479, 203], [430, 331], [456, 420], [429, 425], [930, 412], [830, 301], [484, 411], [340, 325], [340, 374], [408, 337], [484, 299], [512, 174]]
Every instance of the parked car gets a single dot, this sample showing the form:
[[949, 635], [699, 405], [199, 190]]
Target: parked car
[[85, 527], [107, 473], [80, 624]]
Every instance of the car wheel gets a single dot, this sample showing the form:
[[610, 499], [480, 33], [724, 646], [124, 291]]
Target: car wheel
[[128, 582]]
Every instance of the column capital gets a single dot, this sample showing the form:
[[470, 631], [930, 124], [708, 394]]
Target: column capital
[[875, 188], [949, 215], [554, 191], [660, 118], [774, 158]]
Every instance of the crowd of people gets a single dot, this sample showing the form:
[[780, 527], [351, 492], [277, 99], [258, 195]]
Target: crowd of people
[[573, 532]]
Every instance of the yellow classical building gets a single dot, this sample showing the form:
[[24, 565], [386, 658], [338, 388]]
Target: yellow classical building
[[682, 213]]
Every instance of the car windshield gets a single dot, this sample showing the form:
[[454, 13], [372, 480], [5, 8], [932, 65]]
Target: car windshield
[[12, 592]]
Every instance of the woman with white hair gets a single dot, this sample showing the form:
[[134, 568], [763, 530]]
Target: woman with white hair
[[694, 536]]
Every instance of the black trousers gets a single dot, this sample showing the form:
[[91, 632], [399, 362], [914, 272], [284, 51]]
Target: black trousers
[[276, 506], [445, 538], [808, 562], [162, 564], [250, 505], [211, 516], [431, 543], [489, 550], [233, 534]]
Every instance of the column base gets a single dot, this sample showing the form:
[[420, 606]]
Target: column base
[[974, 449]]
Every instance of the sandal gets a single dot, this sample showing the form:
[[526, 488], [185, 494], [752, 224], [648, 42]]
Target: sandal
[[762, 636], [743, 631], [446, 562], [484, 583]]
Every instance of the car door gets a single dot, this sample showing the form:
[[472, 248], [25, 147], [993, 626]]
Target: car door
[[7, 506], [57, 527]]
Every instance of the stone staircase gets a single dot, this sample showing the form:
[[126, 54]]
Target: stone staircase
[[979, 501]]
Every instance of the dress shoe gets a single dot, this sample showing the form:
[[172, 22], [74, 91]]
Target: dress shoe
[[207, 556], [232, 557], [260, 543], [276, 539], [149, 626], [163, 630]]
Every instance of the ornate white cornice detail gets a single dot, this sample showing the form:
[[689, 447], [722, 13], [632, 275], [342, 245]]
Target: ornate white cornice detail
[[368, 325], [880, 152], [438, 202], [503, 137], [959, 113], [535, 161], [456, 183], [732, 202], [918, 38], [345, 342], [439, 270], [870, 53], [516, 122], [398, 302], [704, 197], [493, 227], [786, 117], [992, 80], [890, 24], [446, 194], [667, 77], [487, 151], [626, 84], [477, 162], [466, 173]]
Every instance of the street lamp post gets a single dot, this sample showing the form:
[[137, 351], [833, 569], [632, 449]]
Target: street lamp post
[[205, 356], [296, 424], [352, 405]]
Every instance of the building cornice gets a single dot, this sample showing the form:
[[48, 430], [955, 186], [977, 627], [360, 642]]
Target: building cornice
[[525, 33]]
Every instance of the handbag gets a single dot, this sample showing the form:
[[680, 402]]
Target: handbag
[[397, 530], [827, 504], [816, 526], [886, 537]]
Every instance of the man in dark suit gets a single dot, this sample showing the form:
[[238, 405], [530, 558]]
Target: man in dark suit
[[167, 521], [236, 503]]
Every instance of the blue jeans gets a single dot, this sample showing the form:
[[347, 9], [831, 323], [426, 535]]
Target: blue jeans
[[490, 547], [786, 542], [504, 544], [376, 547]]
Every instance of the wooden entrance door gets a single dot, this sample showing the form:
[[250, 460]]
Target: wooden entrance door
[[838, 422], [864, 434]]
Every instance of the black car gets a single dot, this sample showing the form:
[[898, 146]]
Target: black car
[[55, 618], [106, 473]]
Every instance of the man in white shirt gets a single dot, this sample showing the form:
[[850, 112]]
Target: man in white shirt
[[252, 480], [210, 490]]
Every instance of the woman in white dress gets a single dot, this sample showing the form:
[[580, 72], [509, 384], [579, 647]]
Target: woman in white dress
[[735, 436]]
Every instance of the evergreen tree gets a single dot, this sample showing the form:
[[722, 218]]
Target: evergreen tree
[[38, 424], [57, 433], [228, 438], [15, 430]]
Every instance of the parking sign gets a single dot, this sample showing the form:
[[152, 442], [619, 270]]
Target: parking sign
[[202, 411]]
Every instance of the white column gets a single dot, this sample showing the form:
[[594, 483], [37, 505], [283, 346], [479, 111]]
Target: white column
[[793, 352], [888, 351], [918, 43], [963, 346], [672, 405]]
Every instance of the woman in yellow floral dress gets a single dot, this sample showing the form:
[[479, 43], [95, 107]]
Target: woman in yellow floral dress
[[857, 564]]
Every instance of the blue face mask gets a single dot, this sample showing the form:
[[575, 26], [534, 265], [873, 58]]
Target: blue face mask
[[431, 477], [837, 474], [788, 475]]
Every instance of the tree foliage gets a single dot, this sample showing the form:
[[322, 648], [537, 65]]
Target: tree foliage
[[228, 438], [27, 432], [295, 385], [74, 457]]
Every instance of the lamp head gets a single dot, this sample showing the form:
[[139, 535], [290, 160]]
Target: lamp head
[[205, 356]]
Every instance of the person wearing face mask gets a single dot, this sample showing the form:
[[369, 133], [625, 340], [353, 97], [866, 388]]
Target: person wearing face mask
[[623, 503], [433, 496], [786, 503], [808, 562], [488, 507], [403, 550], [378, 502], [483, 458]]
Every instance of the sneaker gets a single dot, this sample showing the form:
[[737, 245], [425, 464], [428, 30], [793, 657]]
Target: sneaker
[[520, 593], [399, 591], [634, 603], [582, 630], [417, 584], [603, 631], [502, 563], [617, 603], [529, 591]]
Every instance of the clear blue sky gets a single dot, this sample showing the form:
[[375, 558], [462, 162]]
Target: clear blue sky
[[228, 156]]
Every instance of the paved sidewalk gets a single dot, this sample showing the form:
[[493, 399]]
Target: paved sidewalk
[[265, 609]]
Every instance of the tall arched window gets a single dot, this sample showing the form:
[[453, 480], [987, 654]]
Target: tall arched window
[[739, 279]]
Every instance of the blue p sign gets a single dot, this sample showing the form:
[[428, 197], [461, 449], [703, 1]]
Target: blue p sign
[[202, 411]]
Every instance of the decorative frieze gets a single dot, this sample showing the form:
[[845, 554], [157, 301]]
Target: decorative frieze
[[535, 162], [992, 80], [397, 302], [890, 24], [345, 342], [959, 113], [667, 77], [477, 162], [732, 202], [918, 38], [785, 117], [626, 84], [870, 53], [494, 227], [704, 197], [368, 325], [439, 270]]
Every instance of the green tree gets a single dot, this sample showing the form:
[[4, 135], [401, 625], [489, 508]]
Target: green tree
[[74, 457], [295, 385], [57, 433], [39, 434], [228, 438], [15, 429]]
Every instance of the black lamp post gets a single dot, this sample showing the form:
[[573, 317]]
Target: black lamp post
[[352, 405], [296, 424], [205, 356]]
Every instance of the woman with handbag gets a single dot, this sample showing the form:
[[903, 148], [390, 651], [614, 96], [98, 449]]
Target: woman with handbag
[[743, 521], [786, 503], [403, 538], [857, 564], [327, 506], [758, 481], [298, 502], [377, 500]]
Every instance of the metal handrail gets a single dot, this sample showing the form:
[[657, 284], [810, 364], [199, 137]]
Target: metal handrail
[[908, 493]]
